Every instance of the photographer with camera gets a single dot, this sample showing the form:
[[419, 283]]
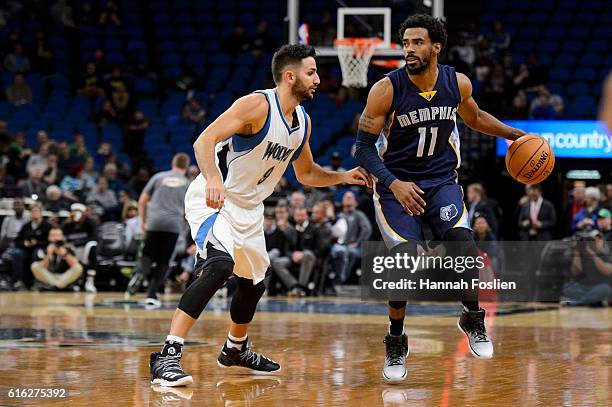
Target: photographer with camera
[[58, 266], [591, 270]]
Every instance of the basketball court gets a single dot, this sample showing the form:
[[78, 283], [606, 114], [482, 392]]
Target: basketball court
[[331, 351]]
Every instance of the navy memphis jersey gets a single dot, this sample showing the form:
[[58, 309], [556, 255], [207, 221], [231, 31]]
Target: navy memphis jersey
[[420, 140]]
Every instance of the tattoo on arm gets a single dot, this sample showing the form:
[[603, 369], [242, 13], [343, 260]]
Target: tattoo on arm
[[366, 123]]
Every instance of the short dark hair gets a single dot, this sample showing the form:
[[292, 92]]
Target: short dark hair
[[434, 26], [181, 160], [287, 55]]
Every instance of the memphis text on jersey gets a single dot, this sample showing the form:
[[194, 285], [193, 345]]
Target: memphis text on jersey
[[427, 114]]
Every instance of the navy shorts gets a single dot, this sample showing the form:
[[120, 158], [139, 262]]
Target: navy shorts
[[444, 210]]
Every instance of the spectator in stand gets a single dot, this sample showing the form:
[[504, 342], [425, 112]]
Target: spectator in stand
[[122, 102], [522, 80], [328, 249], [135, 135], [465, 52], [262, 42], [82, 232], [110, 15], [52, 174], [44, 61], [89, 173], [586, 219], [17, 62], [61, 12], [34, 186], [138, 182], [133, 235], [237, 42], [18, 154], [296, 200], [32, 236], [193, 113], [54, 201], [19, 93], [359, 230], [58, 266], [106, 114], [86, 16], [103, 201], [39, 159], [276, 246], [591, 269], [7, 184], [486, 240], [335, 164], [576, 203], [537, 217], [604, 223], [12, 224], [500, 39], [302, 253], [90, 84], [607, 203], [73, 185], [519, 109], [541, 108], [111, 174], [479, 205], [41, 138], [78, 149], [5, 136], [99, 59]]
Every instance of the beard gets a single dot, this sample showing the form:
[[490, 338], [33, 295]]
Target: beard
[[420, 65], [301, 91]]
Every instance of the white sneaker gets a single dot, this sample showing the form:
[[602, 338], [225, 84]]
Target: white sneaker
[[90, 286], [394, 369], [152, 303], [471, 323]]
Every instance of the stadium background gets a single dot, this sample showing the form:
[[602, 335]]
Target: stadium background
[[160, 71]]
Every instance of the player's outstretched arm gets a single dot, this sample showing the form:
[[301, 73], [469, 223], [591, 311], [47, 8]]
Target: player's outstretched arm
[[371, 123], [246, 116], [480, 120], [312, 174]]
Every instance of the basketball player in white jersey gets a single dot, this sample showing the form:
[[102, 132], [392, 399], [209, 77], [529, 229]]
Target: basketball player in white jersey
[[242, 155]]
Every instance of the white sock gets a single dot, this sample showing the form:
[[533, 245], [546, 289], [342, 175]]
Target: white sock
[[176, 339], [234, 342]]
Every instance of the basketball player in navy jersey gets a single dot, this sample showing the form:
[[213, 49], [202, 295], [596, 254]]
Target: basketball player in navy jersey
[[408, 140]]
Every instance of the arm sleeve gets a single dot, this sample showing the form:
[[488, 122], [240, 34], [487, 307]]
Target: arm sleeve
[[368, 158]]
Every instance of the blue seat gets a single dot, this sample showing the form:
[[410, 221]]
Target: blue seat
[[577, 89], [112, 44], [89, 43], [529, 32], [115, 58], [597, 46], [582, 107], [144, 86], [514, 18], [185, 32], [559, 74], [591, 60], [584, 74], [537, 18], [561, 18], [579, 32], [548, 46], [554, 32], [604, 31], [172, 72], [586, 18], [196, 59], [170, 59], [167, 46], [565, 60], [136, 45], [523, 46], [190, 46], [567, 4], [572, 46]]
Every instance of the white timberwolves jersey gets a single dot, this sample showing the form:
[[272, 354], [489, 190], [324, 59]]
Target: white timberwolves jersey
[[252, 165]]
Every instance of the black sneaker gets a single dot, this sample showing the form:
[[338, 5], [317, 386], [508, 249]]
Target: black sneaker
[[135, 283], [394, 369], [471, 323], [167, 371], [255, 362]]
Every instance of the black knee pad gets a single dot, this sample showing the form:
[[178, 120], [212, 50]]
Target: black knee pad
[[244, 302], [466, 245], [213, 273]]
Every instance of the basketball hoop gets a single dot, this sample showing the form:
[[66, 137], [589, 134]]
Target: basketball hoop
[[354, 55]]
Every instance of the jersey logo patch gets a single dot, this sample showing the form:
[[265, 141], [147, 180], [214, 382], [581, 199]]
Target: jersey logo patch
[[428, 95], [277, 152], [448, 212]]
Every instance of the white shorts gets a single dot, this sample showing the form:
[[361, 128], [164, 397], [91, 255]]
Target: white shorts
[[238, 231]]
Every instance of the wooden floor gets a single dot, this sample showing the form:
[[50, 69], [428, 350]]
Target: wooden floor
[[98, 349]]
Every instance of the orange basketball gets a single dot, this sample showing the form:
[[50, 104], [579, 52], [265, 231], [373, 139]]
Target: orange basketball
[[530, 160]]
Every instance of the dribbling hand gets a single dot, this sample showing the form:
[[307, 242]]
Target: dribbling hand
[[215, 193], [408, 195]]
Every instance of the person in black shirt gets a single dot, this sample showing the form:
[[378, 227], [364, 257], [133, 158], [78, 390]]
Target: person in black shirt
[[81, 231], [57, 266], [31, 237]]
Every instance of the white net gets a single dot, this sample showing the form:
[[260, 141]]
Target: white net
[[354, 56]]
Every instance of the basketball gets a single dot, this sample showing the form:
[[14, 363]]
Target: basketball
[[530, 159]]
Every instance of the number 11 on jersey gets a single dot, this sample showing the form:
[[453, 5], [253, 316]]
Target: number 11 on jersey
[[423, 136]]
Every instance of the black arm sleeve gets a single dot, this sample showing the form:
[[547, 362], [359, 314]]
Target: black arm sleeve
[[368, 158]]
